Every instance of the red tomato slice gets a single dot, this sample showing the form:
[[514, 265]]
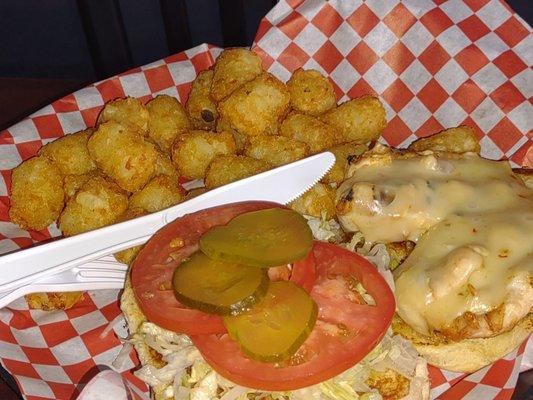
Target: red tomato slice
[[346, 331], [151, 273], [303, 273]]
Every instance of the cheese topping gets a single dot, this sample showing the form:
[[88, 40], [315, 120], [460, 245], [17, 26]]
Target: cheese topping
[[471, 264], [473, 221]]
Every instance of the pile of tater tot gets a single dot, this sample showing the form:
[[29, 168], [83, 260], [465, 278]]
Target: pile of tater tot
[[239, 120]]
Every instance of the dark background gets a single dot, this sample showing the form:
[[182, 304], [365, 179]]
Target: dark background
[[49, 48]]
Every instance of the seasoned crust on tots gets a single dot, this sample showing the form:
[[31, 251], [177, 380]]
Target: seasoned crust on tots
[[257, 107], [122, 155], [37, 195]]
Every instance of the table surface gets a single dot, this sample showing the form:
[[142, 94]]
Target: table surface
[[20, 97]]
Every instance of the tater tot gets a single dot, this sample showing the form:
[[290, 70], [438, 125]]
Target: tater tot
[[256, 107], [161, 192], [233, 68], [37, 195], [97, 203], [342, 152], [122, 155], [53, 300], [358, 120], [317, 202], [72, 183], [168, 119], [127, 256], [310, 130], [276, 150], [193, 152], [129, 112], [240, 139], [69, 153], [461, 139], [164, 166], [227, 169], [311, 92], [200, 106]]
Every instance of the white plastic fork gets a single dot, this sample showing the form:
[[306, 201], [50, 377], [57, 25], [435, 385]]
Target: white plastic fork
[[104, 273]]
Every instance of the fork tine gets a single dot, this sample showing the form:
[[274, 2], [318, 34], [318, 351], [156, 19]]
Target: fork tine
[[98, 273], [104, 264]]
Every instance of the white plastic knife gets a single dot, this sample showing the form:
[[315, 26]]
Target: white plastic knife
[[281, 185]]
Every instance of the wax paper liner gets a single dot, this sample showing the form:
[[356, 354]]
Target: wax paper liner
[[433, 65]]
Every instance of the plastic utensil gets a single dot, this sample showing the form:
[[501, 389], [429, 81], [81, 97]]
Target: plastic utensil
[[282, 185]]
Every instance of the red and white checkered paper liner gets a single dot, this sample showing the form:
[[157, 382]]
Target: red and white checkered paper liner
[[433, 65]]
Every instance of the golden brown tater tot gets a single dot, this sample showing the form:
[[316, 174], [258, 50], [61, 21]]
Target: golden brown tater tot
[[168, 119], [308, 129], [200, 106], [97, 203], [164, 166], [358, 120], [53, 300], [317, 202], [129, 112], [37, 195], [122, 155], [69, 153], [276, 150], [72, 183], [311, 92], [240, 139], [233, 68], [256, 107], [227, 169], [193, 151], [161, 192], [461, 139]]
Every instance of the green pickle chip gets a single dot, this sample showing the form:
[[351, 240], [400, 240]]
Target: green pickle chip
[[264, 238], [218, 287], [276, 327]]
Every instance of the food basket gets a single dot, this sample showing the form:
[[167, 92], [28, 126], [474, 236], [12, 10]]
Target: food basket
[[432, 64]]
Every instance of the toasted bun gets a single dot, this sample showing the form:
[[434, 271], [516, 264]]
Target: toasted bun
[[135, 317], [466, 355]]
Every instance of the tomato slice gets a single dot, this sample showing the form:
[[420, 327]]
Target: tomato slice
[[303, 272], [346, 331], [152, 271]]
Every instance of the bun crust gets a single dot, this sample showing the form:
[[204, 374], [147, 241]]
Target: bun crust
[[468, 355], [135, 317]]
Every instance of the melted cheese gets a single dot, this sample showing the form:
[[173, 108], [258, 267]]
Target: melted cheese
[[471, 264], [473, 221], [403, 198]]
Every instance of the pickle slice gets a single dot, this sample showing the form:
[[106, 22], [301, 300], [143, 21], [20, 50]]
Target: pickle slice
[[218, 287], [262, 238], [275, 328]]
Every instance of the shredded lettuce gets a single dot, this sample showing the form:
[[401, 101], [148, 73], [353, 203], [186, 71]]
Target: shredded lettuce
[[325, 230], [189, 377], [331, 231]]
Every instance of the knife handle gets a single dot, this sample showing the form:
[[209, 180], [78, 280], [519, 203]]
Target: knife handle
[[23, 266]]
